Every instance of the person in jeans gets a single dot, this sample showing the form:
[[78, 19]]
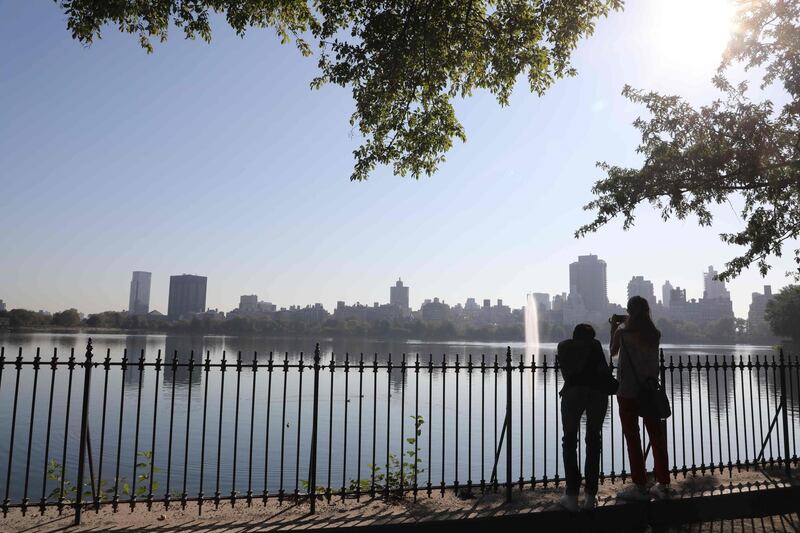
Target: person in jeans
[[585, 370], [636, 341]]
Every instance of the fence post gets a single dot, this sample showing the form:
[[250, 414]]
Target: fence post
[[785, 416], [87, 367], [508, 425], [312, 467]]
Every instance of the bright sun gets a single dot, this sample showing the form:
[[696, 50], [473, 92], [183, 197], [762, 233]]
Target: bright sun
[[692, 33]]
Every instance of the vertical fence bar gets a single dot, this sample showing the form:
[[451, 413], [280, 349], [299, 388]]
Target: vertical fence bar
[[167, 491], [6, 499], [509, 440], [206, 371], [236, 426], [153, 441], [186, 441], [300, 367], [252, 424], [53, 367], [785, 416], [312, 466], [36, 363], [219, 425], [332, 365], [360, 424], [123, 370], [265, 492], [106, 367], [87, 367]]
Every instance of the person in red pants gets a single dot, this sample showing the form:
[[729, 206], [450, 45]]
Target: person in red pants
[[636, 340]]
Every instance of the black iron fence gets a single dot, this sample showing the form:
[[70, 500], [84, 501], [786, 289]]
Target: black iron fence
[[131, 430]]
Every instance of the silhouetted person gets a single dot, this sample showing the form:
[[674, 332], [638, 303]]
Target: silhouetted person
[[636, 340], [585, 371]]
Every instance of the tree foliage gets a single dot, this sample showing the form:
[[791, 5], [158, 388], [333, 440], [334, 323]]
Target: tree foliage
[[732, 149], [68, 318], [405, 60], [783, 312]]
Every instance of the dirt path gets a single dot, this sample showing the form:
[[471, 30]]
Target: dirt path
[[370, 512]]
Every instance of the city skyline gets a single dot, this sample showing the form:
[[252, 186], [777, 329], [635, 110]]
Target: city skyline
[[254, 193], [637, 285]]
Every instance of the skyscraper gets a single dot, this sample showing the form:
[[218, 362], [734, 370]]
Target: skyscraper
[[139, 299], [398, 295], [187, 295], [714, 289], [666, 293], [638, 286], [587, 279]]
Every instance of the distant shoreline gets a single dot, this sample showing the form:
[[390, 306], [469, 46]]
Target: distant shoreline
[[323, 336]]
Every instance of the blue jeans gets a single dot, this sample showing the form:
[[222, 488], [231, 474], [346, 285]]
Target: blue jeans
[[574, 402]]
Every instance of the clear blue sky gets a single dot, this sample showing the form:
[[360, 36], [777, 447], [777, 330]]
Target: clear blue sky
[[219, 160]]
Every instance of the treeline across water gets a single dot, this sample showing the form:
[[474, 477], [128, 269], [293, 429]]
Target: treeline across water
[[726, 331]]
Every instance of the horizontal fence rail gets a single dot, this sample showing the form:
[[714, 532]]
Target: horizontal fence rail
[[137, 429]]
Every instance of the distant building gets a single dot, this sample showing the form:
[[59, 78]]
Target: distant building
[[638, 286], [713, 288], [587, 280], [187, 295], [701, 311], [471, 305], [756, 315], [398, 295], [139, 298], [666, 293], [248, 303], [2, 305], [435, 311]]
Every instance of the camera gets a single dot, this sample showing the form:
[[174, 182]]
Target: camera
[[617, 319]]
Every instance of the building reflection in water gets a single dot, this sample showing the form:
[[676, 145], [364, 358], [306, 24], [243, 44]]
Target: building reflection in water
[[181, 349]]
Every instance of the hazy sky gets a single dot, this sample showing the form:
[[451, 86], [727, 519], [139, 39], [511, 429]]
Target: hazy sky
[[219, 160]]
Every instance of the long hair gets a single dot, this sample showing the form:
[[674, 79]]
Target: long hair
[[639, 321]]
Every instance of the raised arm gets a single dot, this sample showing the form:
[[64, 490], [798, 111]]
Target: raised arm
[[616, 339]]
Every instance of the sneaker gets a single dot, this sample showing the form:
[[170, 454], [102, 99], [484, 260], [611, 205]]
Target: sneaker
[[589, 501], [659, 491], [634, 493], [569, 502]]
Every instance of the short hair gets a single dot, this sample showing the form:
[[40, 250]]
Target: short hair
[[583, 332]]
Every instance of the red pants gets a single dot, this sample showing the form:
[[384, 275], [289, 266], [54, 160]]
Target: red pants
[[629, 418]]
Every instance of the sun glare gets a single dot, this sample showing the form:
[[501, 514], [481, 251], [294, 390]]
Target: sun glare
[[692, 33]]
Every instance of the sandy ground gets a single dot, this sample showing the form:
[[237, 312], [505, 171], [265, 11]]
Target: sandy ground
[[293, 516]]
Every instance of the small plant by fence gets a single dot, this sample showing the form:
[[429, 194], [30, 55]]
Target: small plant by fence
[[192, 429]]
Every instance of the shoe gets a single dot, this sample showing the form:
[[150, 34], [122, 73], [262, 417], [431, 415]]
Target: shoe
[[659, 491], [569, 502], [589, 502], [634, 493]]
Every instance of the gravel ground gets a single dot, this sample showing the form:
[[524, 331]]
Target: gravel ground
[[274, 516]]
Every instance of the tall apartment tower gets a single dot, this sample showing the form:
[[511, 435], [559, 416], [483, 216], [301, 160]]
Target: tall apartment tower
[[187, 295], [587, 278], [638, 286], [666, 293], [714, 289], [139, 299], [398, 295]]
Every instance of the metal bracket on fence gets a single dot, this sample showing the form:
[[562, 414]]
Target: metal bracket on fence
[[87, 366], [785, 422], [506, 429]]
